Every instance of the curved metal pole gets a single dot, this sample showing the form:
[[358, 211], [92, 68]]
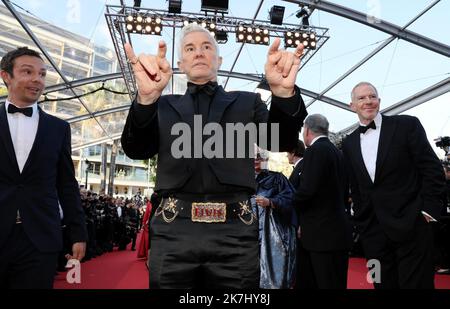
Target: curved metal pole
[[372, 53], [242, 46], [378, 24]]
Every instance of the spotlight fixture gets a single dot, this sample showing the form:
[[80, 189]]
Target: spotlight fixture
[[276, 15], [252, 34], [175, 6], [143, 24], [293, 38], [137, 4], [207, 23], [221, 36], [215, 5], [304, 14]]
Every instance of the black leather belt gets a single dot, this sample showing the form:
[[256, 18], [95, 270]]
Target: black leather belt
[[215, 211]]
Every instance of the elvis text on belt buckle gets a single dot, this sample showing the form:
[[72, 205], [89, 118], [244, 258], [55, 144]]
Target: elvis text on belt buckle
[[209, 212]]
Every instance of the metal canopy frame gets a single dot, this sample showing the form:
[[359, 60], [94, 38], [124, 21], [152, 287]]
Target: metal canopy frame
[[27, 29], [372, 53], [120, 37], [416, 99], [116, 15], [378, 24]]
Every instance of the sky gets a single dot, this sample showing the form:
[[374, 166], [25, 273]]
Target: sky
[[398, 71]]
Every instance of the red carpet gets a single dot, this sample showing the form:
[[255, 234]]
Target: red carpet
[[122, 270], [114, 270], [357, 276]]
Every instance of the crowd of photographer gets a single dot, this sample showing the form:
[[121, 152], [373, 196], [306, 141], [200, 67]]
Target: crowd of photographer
[[110, 222]]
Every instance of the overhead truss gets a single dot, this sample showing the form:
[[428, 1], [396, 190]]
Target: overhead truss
[[116, 19]]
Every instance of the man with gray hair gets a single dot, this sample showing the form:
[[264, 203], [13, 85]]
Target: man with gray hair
[[204, 233], [397, 186], [320, 203]]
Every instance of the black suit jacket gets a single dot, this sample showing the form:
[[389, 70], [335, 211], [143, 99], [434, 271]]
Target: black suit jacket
[[154, 136], [294, 178], [46, 179], [320, 198], [408, 178]]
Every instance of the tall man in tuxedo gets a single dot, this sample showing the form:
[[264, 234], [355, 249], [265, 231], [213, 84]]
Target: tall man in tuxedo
[[36, 174], [204, 233], [396, 186], [319, 201]]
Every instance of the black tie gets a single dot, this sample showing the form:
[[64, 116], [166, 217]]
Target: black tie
[[363, 129], [27, 111], [209, 88]]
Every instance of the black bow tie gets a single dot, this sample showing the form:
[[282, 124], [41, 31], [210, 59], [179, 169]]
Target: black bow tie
[[363, 129], [27, 111], [209, 88]]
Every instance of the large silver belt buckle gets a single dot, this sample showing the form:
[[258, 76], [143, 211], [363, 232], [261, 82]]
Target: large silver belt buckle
[[246, 214], [209, 212], [169, 207]]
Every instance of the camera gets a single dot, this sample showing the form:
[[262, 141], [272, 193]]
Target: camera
[[443, 143]]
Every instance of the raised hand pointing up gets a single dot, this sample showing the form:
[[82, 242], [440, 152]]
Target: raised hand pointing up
[[281, 69], [152, 73]]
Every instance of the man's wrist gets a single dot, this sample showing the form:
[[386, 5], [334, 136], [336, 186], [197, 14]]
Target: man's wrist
[[284, 93], [146, 100]]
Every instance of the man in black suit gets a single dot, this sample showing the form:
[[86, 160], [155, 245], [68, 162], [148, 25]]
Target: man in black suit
[[36, 174], [295, 157], [319, 201], [204, 233], [396, 186]]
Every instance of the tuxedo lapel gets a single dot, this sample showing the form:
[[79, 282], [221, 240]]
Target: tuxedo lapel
[[221, 100], [40, 135], [6, 137], [355, 144], [386, 134], [185, 107], [219, 104]]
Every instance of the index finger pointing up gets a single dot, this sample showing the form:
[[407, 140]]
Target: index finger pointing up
[[162, 49], [274, 47], [130, 52]]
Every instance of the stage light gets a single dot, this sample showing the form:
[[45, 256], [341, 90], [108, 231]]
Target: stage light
[[293, 38], [276, 15], [209, 24], [139, 24], [175, 6], [252, 34], [304, 14], [215, 5], [221, 36]]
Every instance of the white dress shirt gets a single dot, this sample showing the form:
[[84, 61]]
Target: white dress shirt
[[369, 146], [297, 162], [23, 131]]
